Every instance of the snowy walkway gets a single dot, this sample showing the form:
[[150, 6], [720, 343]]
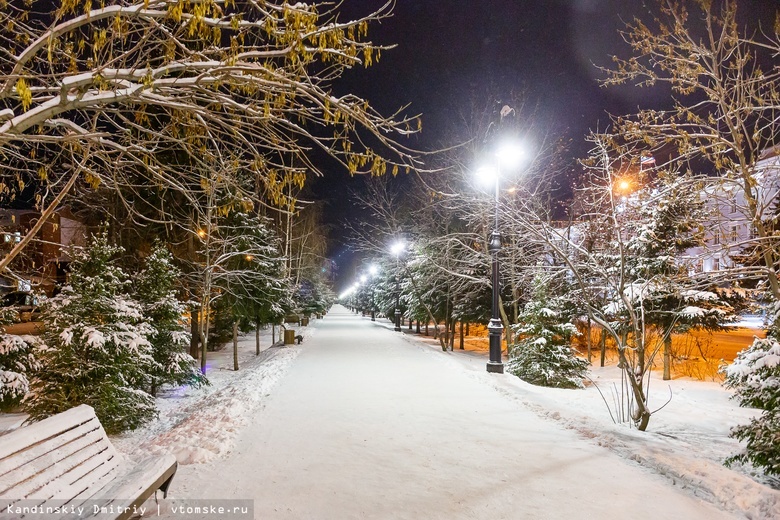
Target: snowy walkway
[[370, 424]]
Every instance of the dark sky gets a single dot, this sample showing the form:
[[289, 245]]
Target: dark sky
[[447, 49]]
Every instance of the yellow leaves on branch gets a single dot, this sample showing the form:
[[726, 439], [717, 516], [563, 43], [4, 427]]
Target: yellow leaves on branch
[[92, 180], [175, 11], [24, 93], [367, 56], [280, 187], [377, 166], [99, 39]]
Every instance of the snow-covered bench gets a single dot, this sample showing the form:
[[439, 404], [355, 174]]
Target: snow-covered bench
[[66, 461]]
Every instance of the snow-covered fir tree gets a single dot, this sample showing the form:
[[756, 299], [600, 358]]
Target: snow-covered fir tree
[[664, 293], [19, 357], [170, 337], [755, 377], [98, 352], [543, 354]]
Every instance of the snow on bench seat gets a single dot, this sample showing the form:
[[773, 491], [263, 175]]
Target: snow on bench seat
[[67, 460]]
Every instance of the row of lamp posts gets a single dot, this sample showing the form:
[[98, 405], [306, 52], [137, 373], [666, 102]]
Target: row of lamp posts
[[508, 155]]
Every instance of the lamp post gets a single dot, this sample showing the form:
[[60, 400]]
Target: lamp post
[[397, 249], [508, 154], [373, 271], [495, 327]]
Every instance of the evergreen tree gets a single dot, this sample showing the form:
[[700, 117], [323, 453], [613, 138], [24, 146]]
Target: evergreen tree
[[755, 375], [543, 354], [19, 357], [254, 288], [170, 337], [98, 349], [668, 222]]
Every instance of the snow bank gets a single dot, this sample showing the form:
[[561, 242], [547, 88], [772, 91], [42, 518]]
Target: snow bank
[[200, 425]]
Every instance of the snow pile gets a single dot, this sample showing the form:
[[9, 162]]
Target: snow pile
[[199, 425]]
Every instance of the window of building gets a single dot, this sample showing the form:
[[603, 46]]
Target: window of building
[[734, 233]]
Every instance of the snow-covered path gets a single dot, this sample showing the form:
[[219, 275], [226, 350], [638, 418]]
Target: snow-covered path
[[370, 424]]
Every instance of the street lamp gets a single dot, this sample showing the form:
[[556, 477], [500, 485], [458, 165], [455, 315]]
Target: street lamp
[[397, 248], [508, 155]]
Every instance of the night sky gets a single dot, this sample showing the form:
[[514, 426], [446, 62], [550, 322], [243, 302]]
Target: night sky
[[448, 49]]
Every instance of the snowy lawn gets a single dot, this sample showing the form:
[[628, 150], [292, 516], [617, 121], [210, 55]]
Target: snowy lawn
[[687, 439], [199, 425]]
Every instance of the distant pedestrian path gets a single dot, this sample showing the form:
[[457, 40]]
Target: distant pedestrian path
[[369, 424]]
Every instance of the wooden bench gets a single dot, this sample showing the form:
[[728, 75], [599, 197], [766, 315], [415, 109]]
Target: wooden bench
[[67, 461]]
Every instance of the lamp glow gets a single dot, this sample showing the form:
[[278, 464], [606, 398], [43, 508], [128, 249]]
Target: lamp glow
[[510, 154]]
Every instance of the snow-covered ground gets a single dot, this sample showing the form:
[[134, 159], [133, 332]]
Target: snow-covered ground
[[686, 442], [750, 321], [200, 425]]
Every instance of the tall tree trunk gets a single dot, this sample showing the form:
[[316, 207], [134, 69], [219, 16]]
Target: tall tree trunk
[[203, 349], [273, 334], [668, 357], [235, 346], [505, 321], [257, 337], [452, 335], [194, 335], [417, 330], [426, 328], [640, 352], [603, 346], [462, 339], [590, 339]]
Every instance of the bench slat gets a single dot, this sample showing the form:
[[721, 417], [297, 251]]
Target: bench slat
[[78, 479], [26, 464], [67, 470], [21, 438]]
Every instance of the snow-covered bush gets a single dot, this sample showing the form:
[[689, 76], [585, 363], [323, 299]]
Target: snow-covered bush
[[755, 377], [98, 352], [19, 357], [170, 337], [543, 354]]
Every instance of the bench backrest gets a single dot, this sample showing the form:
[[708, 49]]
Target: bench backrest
[[66, 457]]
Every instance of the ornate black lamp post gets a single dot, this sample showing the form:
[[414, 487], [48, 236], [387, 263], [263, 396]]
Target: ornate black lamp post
[[508, 154], [495, 327]]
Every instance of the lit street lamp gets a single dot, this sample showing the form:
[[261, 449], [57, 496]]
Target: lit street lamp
[[397, 249], [507, 155]]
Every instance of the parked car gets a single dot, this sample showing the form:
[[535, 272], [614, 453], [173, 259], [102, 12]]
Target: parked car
[[25, 305]]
